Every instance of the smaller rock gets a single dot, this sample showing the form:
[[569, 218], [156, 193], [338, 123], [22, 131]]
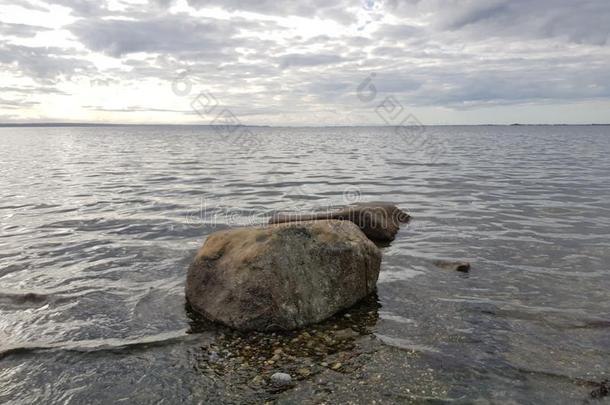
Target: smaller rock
[[463, 267], [336, 366], [379, 221], [603, 390], [304, 371], [213, 357], [281, 379], [258, 380], [346, 334]]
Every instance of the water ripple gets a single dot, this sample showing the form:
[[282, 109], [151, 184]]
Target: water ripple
[[98, 225]]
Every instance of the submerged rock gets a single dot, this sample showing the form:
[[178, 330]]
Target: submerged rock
[[281, 379], [463, 267], [282, 277], [378, 221], [213, 357], [602, 391]]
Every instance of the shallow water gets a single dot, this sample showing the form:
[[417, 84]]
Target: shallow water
[[99, 224]]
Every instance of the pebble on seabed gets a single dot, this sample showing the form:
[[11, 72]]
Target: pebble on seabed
[[281, 378], [213, 357]]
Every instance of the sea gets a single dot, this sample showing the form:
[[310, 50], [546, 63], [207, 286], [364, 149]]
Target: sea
[[98, 225]]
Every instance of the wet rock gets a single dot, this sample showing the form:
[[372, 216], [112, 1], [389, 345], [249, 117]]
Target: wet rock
[[346, 334], [281, 379], [213, 357], [284, 276], [379, 221], [258, 380], [23, 298], [603, 390], [463, 267], [305, 372]]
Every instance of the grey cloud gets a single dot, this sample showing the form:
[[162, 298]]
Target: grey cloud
[[359, 41], [100, 8], [471, 12], [202, 38], [170, 33], [305, 60], [16, 104], [399, 31], [43, 63], [583, 21], [465, 87], [29, 5], [314, 8], [20, 30], [84, 7]]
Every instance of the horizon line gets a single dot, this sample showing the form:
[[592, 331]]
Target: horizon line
[[95, 124]]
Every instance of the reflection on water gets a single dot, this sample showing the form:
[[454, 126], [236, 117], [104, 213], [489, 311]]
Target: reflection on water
[[98, 226]]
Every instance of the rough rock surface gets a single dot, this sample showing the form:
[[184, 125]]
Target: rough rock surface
[[379, 221], [284, 276]]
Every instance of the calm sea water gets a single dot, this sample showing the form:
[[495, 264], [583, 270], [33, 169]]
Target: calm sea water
[[99, 224]]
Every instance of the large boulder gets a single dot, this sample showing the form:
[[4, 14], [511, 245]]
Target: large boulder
[[282, 277], [379, 221]]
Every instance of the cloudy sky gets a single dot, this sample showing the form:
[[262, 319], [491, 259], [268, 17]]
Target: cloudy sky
[[315, 62]]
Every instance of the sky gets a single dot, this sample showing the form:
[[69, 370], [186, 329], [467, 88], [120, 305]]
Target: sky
[[316, 62]]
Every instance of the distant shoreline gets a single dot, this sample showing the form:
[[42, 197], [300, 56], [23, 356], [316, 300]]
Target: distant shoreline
[[85, 124]]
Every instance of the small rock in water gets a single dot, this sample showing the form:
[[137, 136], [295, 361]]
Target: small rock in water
[[257, 380], [346, 334], [379, 221], [603, 390], [304, 371], [463, 267], [281, 378], [213, 357]]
